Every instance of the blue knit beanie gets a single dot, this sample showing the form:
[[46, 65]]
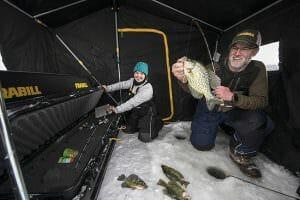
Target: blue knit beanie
[[141, 67]]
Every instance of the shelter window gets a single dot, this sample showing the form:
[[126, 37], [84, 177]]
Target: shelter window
[[2, 66], [269, 55]]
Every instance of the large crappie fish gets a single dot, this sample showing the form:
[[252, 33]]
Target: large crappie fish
[[200, 81]]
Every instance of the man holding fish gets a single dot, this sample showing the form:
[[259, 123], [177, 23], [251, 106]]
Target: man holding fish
[[235, 95]]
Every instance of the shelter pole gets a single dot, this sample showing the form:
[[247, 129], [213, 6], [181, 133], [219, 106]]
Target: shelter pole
[[59, 8], [25, 13], [187, 15], [10, 156], [254, 14], [116, 9], [17, 8]]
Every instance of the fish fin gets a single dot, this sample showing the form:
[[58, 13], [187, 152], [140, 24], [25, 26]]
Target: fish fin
[[185, 183], [172, 196], [165, 191], [125, 184], [214, 80], [121, 177], [195, 94], [211, 103], [139, 187], [162, 183]]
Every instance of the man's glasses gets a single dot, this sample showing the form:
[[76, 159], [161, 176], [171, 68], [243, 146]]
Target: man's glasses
[[243, 49]]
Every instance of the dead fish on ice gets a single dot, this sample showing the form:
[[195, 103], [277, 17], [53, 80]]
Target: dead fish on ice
[[200, 81], [174, 175], [174, 190], [133, 181]]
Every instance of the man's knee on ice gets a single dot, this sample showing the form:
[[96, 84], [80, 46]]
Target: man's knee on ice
[[203, 139], [201, 147]]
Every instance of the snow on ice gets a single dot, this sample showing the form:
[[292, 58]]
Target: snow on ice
[[131, 156]]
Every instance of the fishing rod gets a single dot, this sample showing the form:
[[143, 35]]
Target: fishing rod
[[116, 9], [220, 174], [84, 67], [206, 43]]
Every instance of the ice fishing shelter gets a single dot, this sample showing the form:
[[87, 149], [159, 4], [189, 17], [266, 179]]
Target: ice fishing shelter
[[109, 37]]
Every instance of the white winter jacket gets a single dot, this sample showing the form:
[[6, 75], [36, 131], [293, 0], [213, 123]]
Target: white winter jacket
[[143, 93]]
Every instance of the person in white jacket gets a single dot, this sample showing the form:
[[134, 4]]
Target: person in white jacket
[[143, 116]]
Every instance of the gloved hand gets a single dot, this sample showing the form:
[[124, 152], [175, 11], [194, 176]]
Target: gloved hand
[[112, 109], [103, 87], [178, 70]]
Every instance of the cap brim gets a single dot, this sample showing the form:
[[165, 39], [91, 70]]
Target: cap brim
[[249, 44]]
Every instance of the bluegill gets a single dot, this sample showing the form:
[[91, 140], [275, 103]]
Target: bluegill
[[174, 175], [174, 190], [133, 181]]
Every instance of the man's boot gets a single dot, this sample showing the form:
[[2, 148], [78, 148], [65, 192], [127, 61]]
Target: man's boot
[[246, 165]]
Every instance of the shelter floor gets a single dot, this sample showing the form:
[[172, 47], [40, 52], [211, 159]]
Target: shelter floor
[[131, 156]]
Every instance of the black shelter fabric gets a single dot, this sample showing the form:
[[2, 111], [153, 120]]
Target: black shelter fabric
[[289, 52], [290, 64], [26, 45], [206, 10], [77, 10], [93, 40], [213, 12], [282, 145]]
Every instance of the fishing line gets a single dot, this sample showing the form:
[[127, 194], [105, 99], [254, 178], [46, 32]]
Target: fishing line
[[220, 174], [206, 43], [189, 40]]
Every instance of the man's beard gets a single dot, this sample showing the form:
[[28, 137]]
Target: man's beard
[[238, 65]]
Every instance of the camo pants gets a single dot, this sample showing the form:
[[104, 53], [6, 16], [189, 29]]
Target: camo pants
[[251, 127]]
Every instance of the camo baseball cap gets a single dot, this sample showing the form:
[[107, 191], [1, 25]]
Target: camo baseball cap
[[251, 38]]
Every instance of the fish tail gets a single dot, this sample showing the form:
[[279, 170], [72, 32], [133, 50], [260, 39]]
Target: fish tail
[[212, 102], [162, 183], [185, 183]]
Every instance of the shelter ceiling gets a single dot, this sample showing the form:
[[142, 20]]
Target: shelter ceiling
[[220, 14]]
